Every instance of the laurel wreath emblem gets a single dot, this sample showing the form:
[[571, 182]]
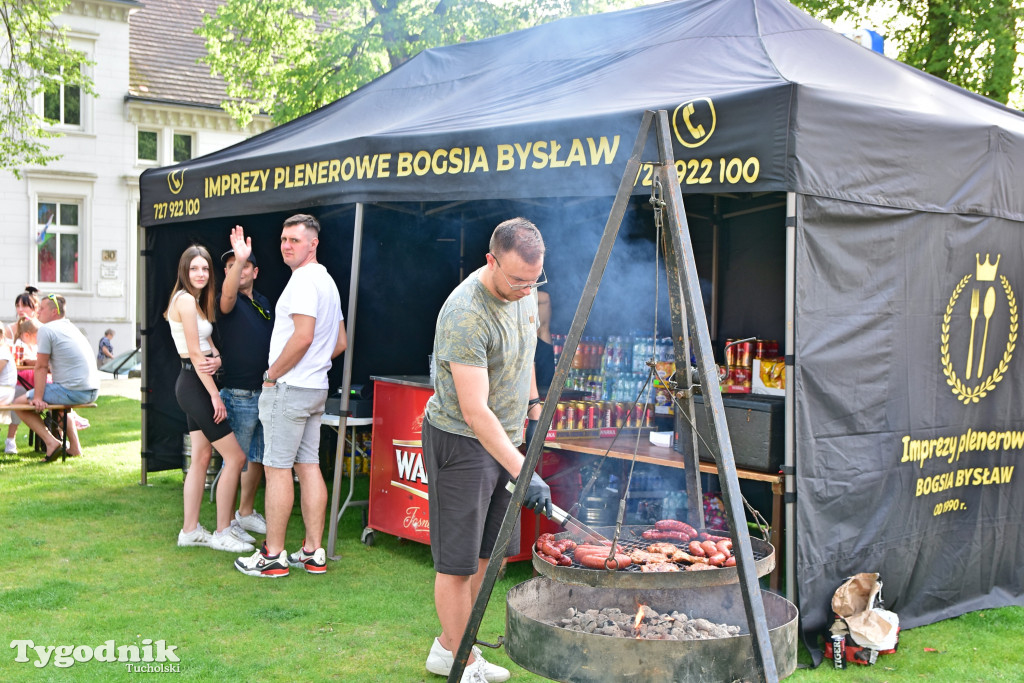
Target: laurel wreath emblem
[[962, 392]]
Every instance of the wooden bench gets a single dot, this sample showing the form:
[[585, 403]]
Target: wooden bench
[[61, 408]]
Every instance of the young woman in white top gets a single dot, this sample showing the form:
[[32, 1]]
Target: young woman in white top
[[25, 305], [190, 315]]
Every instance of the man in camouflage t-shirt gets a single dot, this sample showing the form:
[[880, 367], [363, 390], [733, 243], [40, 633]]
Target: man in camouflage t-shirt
[[484, 387]]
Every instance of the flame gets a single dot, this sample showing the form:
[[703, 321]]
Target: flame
[[639, 617]]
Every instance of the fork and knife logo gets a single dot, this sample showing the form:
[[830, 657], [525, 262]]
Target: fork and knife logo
[[998, 294], [989, 309]]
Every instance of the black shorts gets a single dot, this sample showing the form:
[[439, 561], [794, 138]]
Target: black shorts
[[194, 399], [468, 501]]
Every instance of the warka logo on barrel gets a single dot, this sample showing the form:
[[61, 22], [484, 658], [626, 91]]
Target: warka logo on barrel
[[987, 296]]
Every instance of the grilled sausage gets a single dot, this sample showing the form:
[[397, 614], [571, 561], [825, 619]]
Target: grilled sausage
[[549, 549], [730, 562], [589, 548], [697, 549], [675, 525], [704, 536], [717, 560], [548, 559], [659, 535], [620, 561], [565, 545], [724, 546], [709, 548]]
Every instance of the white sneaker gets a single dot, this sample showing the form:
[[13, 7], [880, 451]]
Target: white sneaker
[[10, 447], [198, 536], [440, 661], [225, 540], [477, 672], [241, 534], [253, 522]]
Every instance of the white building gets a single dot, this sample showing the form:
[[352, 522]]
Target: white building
[[71, 227]]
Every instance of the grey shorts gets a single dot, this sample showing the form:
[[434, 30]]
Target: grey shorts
[[291, 425], [468, 501]]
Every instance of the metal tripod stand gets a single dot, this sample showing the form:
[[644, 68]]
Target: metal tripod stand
[[688, 322]]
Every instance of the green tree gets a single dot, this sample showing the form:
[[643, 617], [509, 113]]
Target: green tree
[[289, 57], [35, 59], [975, 44]]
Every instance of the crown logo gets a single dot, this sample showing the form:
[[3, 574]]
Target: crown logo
[[987, 270]]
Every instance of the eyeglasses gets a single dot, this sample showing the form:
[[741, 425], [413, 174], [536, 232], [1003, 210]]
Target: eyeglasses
[[259, 308], [527, 285], [56, 303]]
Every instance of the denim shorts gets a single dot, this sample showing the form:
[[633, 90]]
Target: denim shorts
[[291, 424], [58, 395], [243, 406]]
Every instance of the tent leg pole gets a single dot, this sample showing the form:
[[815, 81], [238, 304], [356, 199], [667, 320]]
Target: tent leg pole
[[790, 433], [140, 317], [346, 382]]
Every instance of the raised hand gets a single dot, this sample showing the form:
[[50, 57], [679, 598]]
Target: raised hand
[[241, 244]]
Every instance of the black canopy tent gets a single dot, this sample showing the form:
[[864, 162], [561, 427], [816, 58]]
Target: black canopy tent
[[900, 198]]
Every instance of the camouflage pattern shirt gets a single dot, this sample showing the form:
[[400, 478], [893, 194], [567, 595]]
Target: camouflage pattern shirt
[[476, 328]]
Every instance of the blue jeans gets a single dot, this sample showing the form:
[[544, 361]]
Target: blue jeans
[[243, 406]]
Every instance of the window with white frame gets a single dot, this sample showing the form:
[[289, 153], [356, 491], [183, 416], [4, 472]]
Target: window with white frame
[[182, 147], [62, 103], [148, 148], [58, 233]]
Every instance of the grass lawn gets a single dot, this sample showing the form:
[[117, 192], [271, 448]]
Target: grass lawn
[[92, 557]]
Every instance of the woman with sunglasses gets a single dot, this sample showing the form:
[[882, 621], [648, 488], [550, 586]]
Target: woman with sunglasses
[[190, 314]]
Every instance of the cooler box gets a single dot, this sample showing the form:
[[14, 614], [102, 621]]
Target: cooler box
[[756, 428]]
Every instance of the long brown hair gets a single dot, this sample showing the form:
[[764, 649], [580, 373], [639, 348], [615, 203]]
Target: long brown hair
[[205, 297]]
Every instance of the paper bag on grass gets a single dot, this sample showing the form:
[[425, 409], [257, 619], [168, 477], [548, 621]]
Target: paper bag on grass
[[858, 603]]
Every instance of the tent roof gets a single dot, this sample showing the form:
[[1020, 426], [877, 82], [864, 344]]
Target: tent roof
[[796, 105]]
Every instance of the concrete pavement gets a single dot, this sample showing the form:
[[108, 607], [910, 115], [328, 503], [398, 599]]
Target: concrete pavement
[[129, 387]]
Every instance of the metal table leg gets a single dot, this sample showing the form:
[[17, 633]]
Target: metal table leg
[[353, 422]]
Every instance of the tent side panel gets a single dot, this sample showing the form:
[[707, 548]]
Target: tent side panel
[[906, 458]]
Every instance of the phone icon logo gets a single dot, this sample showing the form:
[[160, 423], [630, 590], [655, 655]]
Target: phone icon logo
[[176, 180], [698, 120]]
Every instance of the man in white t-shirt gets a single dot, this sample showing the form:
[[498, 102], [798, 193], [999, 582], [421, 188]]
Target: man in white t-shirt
[[309, 332], [65, 354]]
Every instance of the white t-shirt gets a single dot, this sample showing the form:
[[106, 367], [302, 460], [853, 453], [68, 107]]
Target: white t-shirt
[[71, 362], [310, 291], [9, 375]]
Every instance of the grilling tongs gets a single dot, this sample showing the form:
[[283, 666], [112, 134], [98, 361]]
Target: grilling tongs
[[567, 521]]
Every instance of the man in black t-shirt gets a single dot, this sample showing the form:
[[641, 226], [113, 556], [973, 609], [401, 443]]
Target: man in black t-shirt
[[244, 325]]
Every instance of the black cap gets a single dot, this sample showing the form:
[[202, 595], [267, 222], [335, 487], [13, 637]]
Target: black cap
[[231, 252]]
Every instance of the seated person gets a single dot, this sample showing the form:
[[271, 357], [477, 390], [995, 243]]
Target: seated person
[[8, 380], [65, 353], [25, 337]]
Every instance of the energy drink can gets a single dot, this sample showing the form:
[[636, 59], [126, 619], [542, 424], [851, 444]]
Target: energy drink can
[[839, 652]]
